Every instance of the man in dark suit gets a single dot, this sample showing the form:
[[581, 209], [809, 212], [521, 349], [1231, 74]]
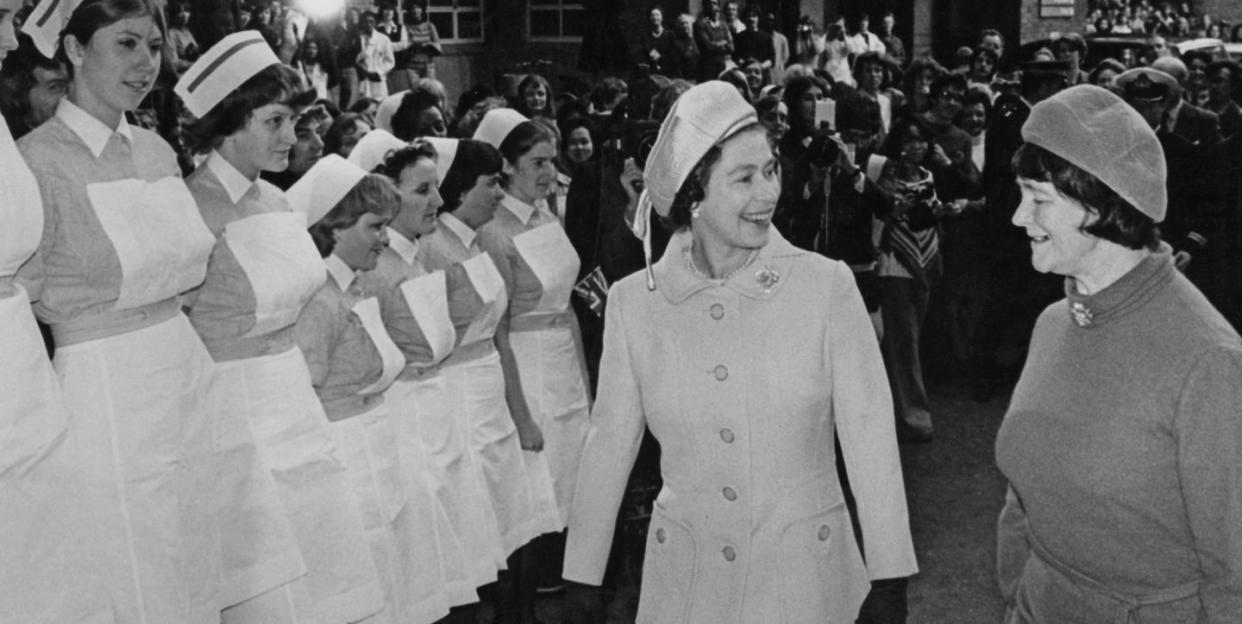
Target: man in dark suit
[[1200, 127], [1224, 79]]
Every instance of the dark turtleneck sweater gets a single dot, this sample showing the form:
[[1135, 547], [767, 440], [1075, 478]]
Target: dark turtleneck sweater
[[1123, 443]]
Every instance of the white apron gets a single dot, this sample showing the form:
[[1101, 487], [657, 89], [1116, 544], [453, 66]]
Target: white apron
[[368, 447], [275, 396], [549, 356], [435, 449], [140, 413], [45, 529]]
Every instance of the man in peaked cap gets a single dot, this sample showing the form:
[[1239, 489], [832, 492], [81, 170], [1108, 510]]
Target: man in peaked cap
[[1193, 192], [1197, 125]]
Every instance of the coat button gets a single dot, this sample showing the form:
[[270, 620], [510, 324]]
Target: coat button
[[717, 311], [730, 494], [726, 435], [824, 532], [721, 372], [728, 553], [660, 535]]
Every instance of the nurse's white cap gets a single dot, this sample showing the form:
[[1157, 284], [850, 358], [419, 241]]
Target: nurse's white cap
[[222, 69], [446, 152], [46, 21], [496, 126], [387, 108], [323, 186], [374, 148]]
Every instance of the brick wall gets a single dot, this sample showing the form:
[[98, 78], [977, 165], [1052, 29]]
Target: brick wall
[[1035, 27]]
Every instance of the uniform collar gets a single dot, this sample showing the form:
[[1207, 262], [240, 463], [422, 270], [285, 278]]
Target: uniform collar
[[92, 131], [519, 208], [458, 228], [235, 184], [340, 272], [406, 248], [761, 280]]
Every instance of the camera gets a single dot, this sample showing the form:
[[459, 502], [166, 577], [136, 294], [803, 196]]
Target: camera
[[823, 151], [922, 212]]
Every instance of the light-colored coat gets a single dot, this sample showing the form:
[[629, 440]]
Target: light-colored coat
[[743, 383]]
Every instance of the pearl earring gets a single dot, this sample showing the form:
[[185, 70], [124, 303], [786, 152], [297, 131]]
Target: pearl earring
[[694, 212]]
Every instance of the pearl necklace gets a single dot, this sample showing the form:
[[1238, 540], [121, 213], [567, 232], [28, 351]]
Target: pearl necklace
[[754, 253]]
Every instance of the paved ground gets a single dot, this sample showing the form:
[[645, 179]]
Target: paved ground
[[955, 493]]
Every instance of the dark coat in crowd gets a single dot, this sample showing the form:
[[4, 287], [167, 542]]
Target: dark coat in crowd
[[753, 44], [715, 42], [1199, 126], [1230, 120]]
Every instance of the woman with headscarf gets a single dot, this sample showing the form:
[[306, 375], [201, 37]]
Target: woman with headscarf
[[538, 337], [1122, 444], [122, 239], [263, 270], [353, 361], [743, 355]]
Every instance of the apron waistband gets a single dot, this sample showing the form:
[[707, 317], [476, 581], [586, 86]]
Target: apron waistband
[[114, 322], [1131, 602], [351, 406], [231, 349], [540, 321], [465, 353]]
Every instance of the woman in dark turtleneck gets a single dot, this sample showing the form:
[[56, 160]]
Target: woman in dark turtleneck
[[1123, 441]]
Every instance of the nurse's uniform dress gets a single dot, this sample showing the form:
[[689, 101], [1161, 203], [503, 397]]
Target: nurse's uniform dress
[[44, 515], [539, 266], [415, 307], [352, 361], [521, 496], [122, 238], [263, 270]]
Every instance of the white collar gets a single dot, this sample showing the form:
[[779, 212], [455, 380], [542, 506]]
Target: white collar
[[340, 272], [519, 208], [458, 228], [1170, 117], [406, 248], [234, 182], [91, 130]]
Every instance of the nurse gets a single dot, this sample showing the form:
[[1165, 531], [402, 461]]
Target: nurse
[[537, 337], [521, 496], [122, 239], [44, 530], [744, 355], [417, 311], [262, 271], [352, 362]]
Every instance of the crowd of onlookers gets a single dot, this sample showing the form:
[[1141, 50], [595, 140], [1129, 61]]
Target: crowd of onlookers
[[832, 97], [1143, 17]]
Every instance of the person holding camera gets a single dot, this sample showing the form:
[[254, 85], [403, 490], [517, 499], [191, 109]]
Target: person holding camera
[[744, 355], [907, 238]]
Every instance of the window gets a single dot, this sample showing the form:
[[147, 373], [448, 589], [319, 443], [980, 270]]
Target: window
[[457, 21], [556, 20]]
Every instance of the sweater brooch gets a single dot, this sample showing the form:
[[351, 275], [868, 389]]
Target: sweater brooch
[[768, 277], [1081, 313]]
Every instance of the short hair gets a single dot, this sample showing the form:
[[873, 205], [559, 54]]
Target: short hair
[[1172, 66], [1116, 220], [947, 81], [373, 194], [1235, 75], [1104, 65], [524, 137], [873, 58], [988, 52], [405, 120], [398, 160], [275, 84], [569, 124], [92, 15], [992, 32], [17, 76], [918, 66], [901, 128], [978, 95], [532, 80], [694, 189], [361, 104], [1202, 55], [344, 123], [766, 104], [1075, 41], [474, 159], [665, 97], [607, 92]]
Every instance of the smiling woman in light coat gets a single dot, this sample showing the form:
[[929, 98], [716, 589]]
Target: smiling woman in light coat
[[742, 354]]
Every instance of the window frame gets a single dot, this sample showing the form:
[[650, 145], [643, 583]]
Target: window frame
[[559, 6], [454, 11]]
